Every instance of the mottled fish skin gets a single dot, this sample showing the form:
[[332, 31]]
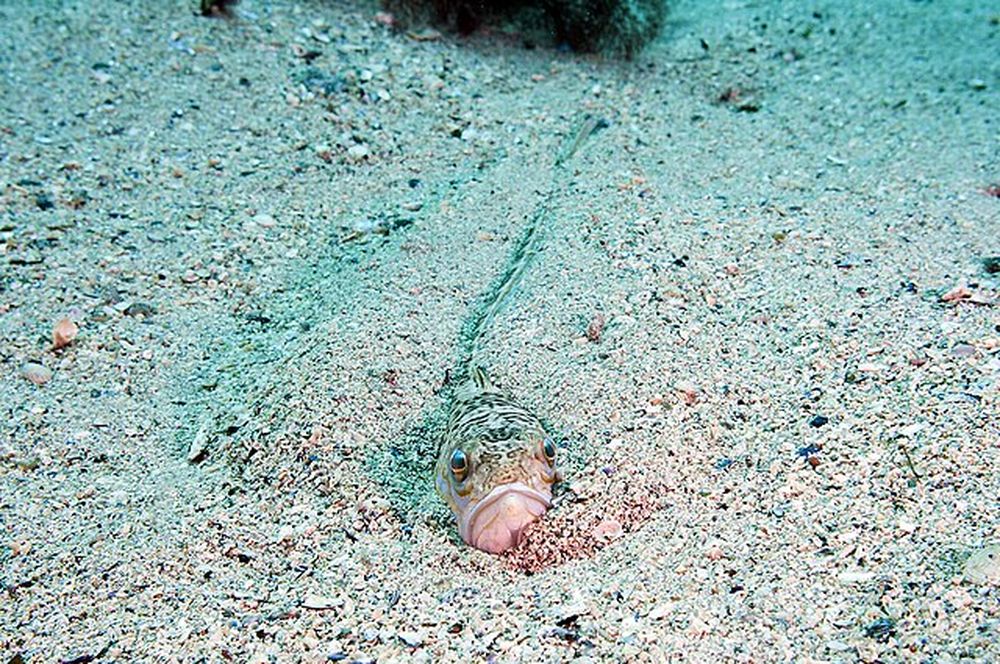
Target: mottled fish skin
[[504, 481]]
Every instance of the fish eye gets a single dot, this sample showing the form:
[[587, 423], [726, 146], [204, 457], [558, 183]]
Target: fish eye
[[549, 449], [459, 464]]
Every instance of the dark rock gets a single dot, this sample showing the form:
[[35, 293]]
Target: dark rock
[[809, 450], [881, 629], [615, 27], [44, 202]]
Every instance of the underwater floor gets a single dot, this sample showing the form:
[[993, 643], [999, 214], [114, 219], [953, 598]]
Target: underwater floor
[[762, 322]]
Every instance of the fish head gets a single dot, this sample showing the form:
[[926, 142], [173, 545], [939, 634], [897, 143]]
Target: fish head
[[497, 485]]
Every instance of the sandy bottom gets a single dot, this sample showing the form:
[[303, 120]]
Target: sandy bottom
[[783, 442]]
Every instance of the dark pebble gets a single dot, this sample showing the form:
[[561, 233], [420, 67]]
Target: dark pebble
[[809, 450], [818, 421], [881, 629], [44, 202], [991, 264]]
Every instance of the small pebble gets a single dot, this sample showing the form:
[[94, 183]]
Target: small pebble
[[265, 221], [881, 629], [44, 202], [320, 603], [963, 350], [983, 566], [63, 333], [196, 451], [140, 309], [412, 639], [357, 152], [36, 373], [818, 420], [595, 328], [607, 529], [956, 294]]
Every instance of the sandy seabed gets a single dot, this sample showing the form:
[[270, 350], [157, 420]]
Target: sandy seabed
[[781, 444]]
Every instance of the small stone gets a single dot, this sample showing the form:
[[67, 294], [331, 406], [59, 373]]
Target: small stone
[[991, 264], [981, 297], [63, 333], [36, 373], [983, 566], [571, 610], [661, 611], [44, 202], [196, 451], [412, 639], [963, 350], [956, 294], [818, 420], [688, 392], [427, 34], [595, 327], [357, 152], [265, 221], [386, 19], [20, 547], [607, 530], [855, 576], [140, 309], [881, 629], [27, 463], [320, 603], [286, 533]]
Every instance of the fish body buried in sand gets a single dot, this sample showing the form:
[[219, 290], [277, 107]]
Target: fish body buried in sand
[[496, 466]]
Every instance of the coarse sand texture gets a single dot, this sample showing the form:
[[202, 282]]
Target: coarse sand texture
[[244, 258]]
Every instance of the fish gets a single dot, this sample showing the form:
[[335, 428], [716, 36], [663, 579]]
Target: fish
[[496, 465]]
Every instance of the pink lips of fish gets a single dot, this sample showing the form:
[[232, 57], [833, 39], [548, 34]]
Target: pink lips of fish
[[498, 521]]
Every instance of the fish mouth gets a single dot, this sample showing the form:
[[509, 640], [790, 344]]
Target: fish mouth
[[497, 522]]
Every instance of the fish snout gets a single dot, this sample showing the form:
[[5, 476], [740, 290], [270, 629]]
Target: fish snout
[[498, 521]]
